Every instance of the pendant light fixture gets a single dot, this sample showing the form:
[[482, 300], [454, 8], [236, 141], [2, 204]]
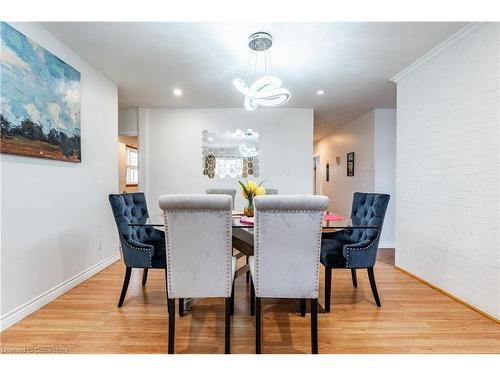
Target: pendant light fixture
[[261, 89]]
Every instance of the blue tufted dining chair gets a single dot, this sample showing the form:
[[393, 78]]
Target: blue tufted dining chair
[[141, 246], [355, 248]]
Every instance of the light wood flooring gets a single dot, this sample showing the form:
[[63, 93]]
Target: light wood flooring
[[414, 318]]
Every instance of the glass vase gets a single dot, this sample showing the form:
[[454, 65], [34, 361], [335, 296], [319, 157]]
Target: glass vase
[[248, 210]]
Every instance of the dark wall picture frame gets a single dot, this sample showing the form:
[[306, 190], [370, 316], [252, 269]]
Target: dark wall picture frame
[[327, 171], [350, 164]]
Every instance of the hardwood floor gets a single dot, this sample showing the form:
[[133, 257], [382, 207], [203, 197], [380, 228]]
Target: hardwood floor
[[414, 318]]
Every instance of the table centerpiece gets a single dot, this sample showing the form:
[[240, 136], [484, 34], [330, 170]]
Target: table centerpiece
[[251, 189]]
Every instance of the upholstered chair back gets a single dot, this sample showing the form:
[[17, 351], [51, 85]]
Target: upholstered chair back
[[287, 243], [368, 209], [271, 191], [129, 208], [231, 192], [198, 245]]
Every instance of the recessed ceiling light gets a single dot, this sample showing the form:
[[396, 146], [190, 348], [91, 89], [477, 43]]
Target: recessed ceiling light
[[177, 92], [320, 92]]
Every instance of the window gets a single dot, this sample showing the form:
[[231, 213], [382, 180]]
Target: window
[[132, 165]]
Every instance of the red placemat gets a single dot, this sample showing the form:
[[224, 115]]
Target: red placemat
[[332, 217], [246, 220]]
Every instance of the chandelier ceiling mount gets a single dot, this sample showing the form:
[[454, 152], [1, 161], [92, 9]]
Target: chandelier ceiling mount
[[260, 41]]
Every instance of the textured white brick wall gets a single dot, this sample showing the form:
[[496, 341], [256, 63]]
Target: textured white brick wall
[[447, 205]]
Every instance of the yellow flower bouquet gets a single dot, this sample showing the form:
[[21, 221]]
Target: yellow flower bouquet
[[251, 189]]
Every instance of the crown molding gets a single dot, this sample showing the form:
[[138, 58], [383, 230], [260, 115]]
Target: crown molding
[[439, 49]]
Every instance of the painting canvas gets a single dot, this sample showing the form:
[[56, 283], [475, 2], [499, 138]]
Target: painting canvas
[[39, 100]]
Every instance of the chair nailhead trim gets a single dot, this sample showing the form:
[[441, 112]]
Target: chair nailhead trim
[[150, 254], [318, 254], [318, 250], [256, 255], [229, 252], [348, 249], [229, 245], [167, 247]]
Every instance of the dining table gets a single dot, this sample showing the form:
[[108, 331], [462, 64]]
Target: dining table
[[243, 235]]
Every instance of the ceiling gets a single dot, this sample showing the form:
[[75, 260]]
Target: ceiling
[[351, 62]]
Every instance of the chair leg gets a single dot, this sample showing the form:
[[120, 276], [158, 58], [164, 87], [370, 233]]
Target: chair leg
[[252, 299], [328, 288], [302, 307], [227, 341], [232, 300], [248, 273], [354, 278], [171, 325], [314, 325], [258, 325], [126, 280], [181, 306], [144, 276], [371, 276]]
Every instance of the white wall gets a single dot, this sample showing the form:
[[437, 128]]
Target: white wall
[[53, 212], [372, 138], [170, 149], [385, 168], [356, 136], [128, 121], [447, 207]]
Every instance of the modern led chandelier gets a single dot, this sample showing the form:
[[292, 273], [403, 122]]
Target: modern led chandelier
[[265, 91]]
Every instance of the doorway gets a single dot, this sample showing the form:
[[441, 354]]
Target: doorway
[[128, 164], [317, 175]]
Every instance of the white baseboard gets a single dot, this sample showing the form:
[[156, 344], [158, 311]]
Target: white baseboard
[[386, 245], [19, 313]]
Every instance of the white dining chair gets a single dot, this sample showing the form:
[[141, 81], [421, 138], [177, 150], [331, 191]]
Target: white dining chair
[[287, 244], [231, 192], [199, 253], [271, 191]]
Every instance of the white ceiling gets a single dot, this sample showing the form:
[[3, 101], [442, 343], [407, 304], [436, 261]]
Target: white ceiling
[[351, 62]]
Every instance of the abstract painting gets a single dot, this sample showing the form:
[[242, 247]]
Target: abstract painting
[[39, 100]]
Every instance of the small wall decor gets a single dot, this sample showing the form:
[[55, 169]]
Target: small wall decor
[[327, 174], [230, 153], [39, 100], [350, 164], [337, 160]]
